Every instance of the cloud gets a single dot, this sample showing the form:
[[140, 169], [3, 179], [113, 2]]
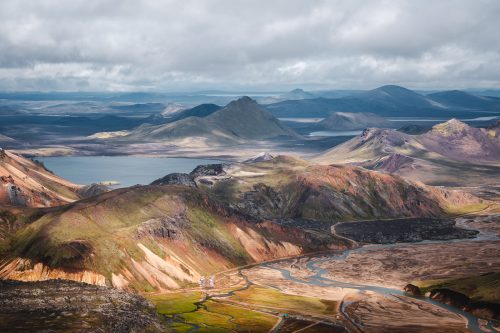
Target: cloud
[[236, 44]]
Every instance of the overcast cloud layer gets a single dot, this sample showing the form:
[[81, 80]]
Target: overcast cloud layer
[[228, 44]]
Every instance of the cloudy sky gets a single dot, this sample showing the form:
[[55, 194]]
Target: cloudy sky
[[167, 45]]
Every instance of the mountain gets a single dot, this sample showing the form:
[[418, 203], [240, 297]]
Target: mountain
[[172, 108], [459, 141], [148, 238], [388, 101], [451, 153], [462, 99], [297, 94], [286, 188], [396, 97], [4, 138], [348, 121], [237, 122], [26, 183], [199, 111], [163, 237]]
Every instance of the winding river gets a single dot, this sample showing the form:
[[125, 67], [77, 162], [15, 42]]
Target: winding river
[[317, 279]]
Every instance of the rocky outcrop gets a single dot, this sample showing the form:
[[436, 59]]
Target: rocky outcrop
[[163, 227], [208, 170], [449, 297], [92, 190], [481, 309], [176, 179], [62, 306], [412, 290], [262, 157]]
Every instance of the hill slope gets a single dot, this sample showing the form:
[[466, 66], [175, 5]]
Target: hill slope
[[237, 122], [148, 238], [25, 183], [152, 237], [450, 153], [348, 121], [288, 188]]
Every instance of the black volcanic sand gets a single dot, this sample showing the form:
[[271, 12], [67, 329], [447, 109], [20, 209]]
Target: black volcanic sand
[[67, 306], [402, 230]]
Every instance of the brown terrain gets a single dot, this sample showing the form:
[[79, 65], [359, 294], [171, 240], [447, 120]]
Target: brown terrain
[[27, 184], [452, 153]]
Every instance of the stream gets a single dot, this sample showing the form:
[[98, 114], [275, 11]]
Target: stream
[[317, 279]]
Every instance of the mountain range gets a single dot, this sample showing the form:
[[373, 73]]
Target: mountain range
[[160, 237], [390, 101]]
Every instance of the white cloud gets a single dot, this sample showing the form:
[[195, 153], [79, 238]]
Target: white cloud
[[188, 44]]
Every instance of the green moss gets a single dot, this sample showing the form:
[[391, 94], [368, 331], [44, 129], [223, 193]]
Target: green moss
[[175, 303], [270, 298], [485, 287]]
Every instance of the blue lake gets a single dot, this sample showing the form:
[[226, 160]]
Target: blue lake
[[126, 170], [335, 133]]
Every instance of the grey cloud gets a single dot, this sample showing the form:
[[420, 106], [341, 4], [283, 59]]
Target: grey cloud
[[187, 44]]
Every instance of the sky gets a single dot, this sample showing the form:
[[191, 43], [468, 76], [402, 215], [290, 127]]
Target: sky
[[271, 45]]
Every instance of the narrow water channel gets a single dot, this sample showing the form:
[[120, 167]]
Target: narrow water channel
[[317, 279]]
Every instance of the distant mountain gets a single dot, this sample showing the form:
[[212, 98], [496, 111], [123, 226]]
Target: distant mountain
[[388, 101], [199, 111], [462, 99], [297, 94], [172, 108], [237, 122], [396, 97], [28, 184], [140, 107], [349, 121], [450, 153], [6, 139]]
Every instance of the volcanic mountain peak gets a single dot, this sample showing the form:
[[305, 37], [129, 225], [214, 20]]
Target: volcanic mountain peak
[[242, 103], [451, 127]]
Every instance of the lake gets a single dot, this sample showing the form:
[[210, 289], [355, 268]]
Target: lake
[[335, 133], [126, 170]]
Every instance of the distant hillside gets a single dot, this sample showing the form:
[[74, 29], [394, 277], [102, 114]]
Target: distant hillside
[[349, 121], [27, 184], [6, 139], [462, 99], [388, 101], [297, 94], [200, 111], [237, 122], [443, 155]]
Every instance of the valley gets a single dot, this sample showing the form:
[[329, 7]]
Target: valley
[[221, 217]]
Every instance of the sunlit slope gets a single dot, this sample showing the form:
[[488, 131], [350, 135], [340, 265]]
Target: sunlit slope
[[25, 183], [148, 238], [289, 188], [451, 153]]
